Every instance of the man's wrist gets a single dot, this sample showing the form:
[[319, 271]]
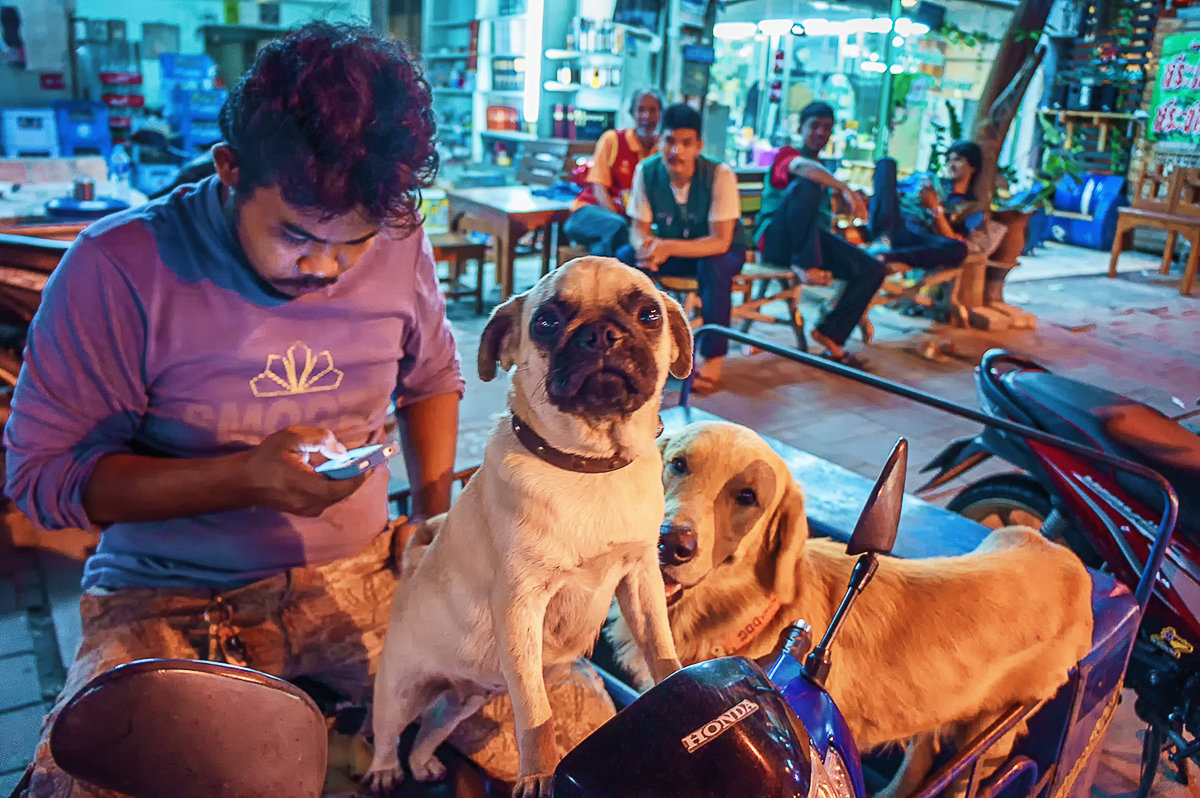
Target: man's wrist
[[240, 479]]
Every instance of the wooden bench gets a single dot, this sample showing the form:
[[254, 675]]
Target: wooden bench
[[757, 285], [1168, 199], [26, 261], [898, 287]]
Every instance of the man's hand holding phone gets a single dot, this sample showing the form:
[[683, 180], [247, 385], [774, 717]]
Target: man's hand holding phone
[[357, 461], [281, 476]]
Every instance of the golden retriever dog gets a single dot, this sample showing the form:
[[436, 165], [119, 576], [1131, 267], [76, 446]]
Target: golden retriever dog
[[564, 512], [933, 650]]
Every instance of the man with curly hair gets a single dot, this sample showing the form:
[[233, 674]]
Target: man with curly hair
[[195, 358]]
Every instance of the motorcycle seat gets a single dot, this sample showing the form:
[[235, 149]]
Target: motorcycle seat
[[192, 729], [1120, 426]]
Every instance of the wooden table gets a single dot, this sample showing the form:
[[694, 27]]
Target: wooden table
[[28, 254], [509, 212]]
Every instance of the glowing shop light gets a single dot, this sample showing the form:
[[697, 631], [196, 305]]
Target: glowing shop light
[[775, 27], [819, 26], [531, 102], [734, 31], [906, 27]]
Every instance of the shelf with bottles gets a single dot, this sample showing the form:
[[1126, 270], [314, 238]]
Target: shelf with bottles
[[581, 55], [594, 37], [508, 135], [569, 78], [581, 124], [508, 73], [450, 77]]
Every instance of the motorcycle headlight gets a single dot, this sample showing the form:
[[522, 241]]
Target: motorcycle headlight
[[830, 779]]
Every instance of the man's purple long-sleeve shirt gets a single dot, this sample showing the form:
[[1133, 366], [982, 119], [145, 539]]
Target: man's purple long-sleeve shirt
[[155, 336]]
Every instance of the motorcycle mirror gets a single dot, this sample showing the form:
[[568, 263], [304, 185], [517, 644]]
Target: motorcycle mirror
[[880, 517]]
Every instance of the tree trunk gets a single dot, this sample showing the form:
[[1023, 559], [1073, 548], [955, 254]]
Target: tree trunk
[[1015, 63]]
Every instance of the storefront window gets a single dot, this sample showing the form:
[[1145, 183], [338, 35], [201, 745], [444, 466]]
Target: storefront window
[[766, 71]]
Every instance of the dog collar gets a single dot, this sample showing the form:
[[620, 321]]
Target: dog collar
[[747, 632], [559, 459]]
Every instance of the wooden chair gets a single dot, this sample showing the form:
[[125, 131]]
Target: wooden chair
[[757, 285], [1168, 199], [542, 162], [455, 248], [571, 251]]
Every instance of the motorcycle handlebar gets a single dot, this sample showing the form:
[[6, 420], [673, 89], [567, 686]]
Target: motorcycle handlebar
[[1166, 525]]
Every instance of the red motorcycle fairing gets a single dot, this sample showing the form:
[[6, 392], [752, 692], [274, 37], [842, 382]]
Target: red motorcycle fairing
[[1096, 499]]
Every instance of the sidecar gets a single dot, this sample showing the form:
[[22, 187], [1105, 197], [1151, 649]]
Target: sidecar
[[802, 748], [1060, 752]]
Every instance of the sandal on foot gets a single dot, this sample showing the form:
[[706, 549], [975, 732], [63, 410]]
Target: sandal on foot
[[703, 386], [846, 359]]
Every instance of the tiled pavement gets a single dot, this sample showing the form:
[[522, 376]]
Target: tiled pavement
[[1135, 334]]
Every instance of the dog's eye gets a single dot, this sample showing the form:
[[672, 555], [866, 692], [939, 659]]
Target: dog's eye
[[546, 322], [746, 497], [679, 465], [650, 316]]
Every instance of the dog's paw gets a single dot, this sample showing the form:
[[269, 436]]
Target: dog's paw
[[431, 769], [536, 786], [381, 781]]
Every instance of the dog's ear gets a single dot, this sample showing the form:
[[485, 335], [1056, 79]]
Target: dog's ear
[[681, 338], [789, 532], [501, 338]]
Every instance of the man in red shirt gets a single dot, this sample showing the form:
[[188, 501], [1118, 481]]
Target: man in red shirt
[[598, 219], [794, 230]]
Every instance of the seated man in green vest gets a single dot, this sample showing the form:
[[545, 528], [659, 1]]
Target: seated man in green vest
[[686, 213]]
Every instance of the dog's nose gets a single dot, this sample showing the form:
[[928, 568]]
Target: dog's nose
[[676, 543], [597, 336]]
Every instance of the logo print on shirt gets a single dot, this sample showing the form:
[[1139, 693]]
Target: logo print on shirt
[[296, 372]]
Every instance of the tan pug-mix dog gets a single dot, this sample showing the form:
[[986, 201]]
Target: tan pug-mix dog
[[934, 649], [519, 575]]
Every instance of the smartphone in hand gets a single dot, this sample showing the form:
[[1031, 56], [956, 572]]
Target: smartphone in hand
[[357, 461]]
